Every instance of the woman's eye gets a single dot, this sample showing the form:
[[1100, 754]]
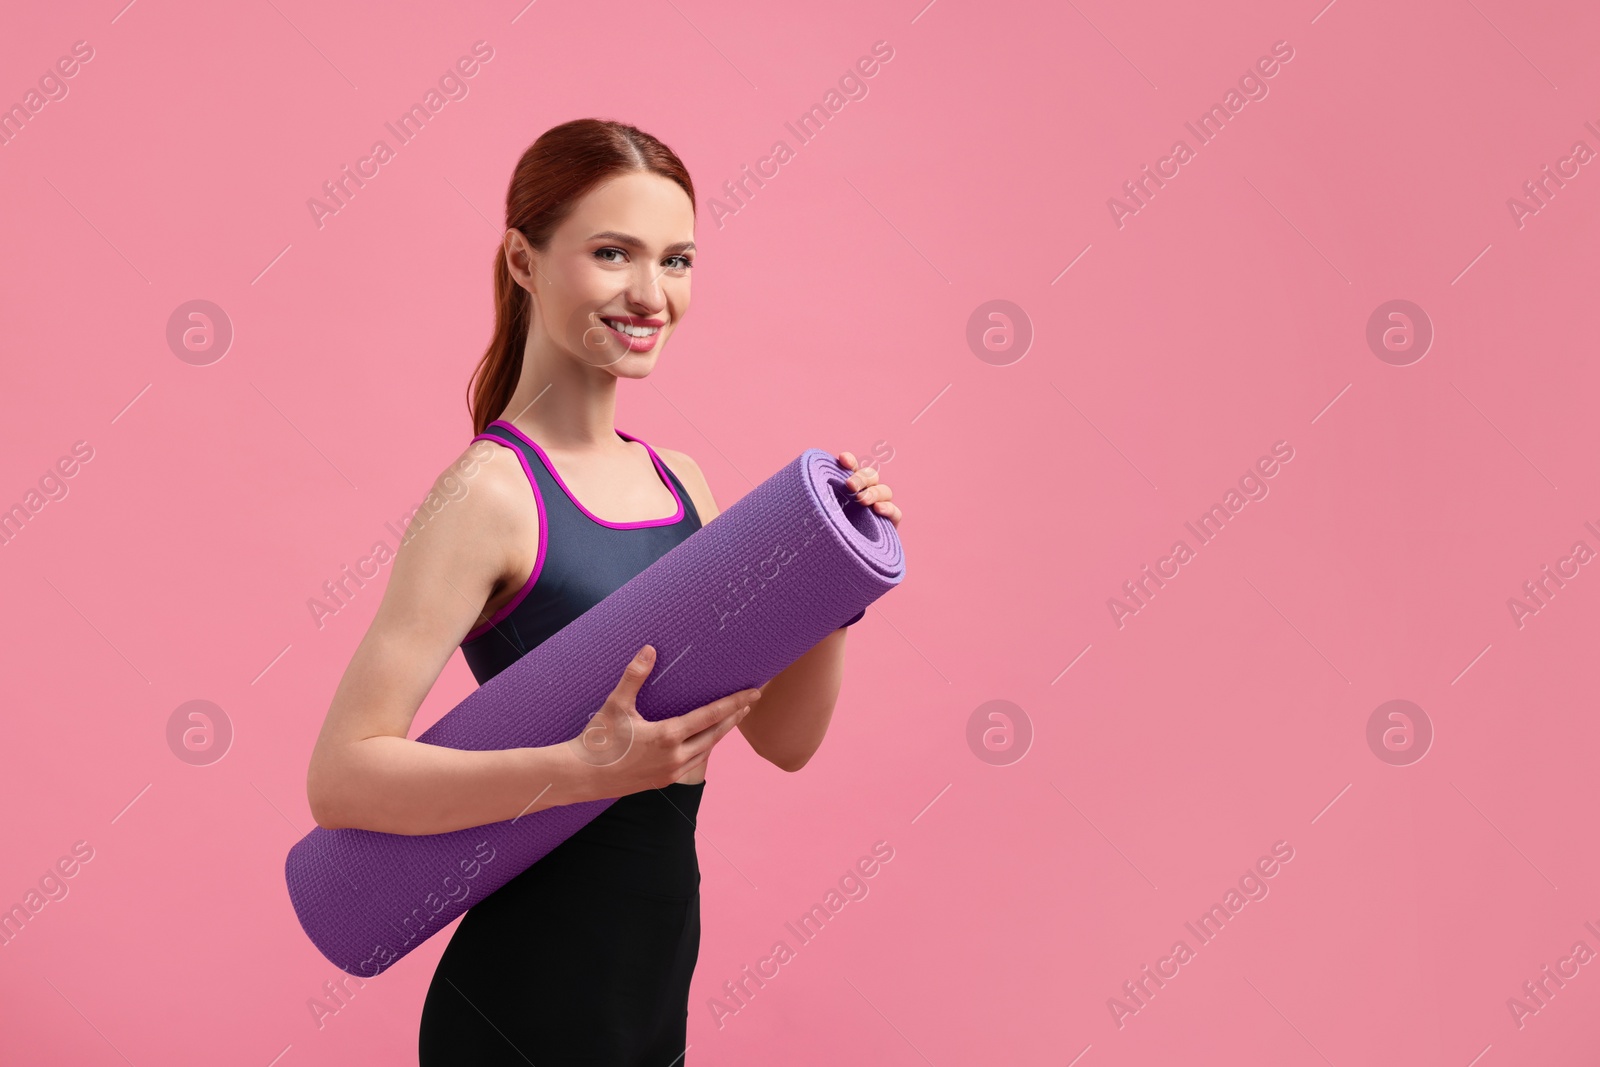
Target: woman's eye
[[675, 263]]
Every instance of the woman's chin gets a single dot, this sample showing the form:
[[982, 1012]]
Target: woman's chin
[[636, 364], [622, 364]]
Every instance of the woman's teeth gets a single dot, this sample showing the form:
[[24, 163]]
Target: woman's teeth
[[631, 331]]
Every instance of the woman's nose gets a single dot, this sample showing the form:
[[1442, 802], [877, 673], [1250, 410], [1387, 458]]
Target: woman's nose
[[646, 291]]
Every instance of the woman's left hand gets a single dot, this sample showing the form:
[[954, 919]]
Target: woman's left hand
[[868, 490]]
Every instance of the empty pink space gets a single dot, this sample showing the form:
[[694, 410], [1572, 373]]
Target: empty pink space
[[1232, 365]]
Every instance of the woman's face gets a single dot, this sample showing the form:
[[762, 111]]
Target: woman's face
[[614, 282]]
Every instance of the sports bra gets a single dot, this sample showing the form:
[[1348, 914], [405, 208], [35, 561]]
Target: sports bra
[[581, 559]]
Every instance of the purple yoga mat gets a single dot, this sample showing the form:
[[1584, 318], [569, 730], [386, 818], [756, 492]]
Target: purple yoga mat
[[728, 608]]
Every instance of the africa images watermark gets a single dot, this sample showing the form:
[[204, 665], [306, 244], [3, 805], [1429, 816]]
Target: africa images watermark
[[1252, 86], [1537, 592], [1205, 528], [52, 486], [52, 888], [1541, 190], [338, 592], [421, 917], [852, 86], [1538, 992], [1252, 886], [52, 87], [852, 885], [452, 85]]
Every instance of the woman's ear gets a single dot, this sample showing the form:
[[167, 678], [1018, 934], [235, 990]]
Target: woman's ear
[[520, 259]]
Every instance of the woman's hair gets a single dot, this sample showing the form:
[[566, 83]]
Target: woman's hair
[[557, 170]]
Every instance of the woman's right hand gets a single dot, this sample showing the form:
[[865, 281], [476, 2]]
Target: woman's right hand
[[632, 753]]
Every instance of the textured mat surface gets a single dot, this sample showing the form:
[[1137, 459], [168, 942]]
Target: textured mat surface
[[728, 608]]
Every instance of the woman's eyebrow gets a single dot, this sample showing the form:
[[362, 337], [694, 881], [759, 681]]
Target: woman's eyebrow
[[633, 242]]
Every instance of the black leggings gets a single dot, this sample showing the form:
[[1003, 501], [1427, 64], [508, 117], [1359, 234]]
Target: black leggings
[[585, 957]]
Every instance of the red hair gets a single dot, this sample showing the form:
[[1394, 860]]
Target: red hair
[[557, 170]]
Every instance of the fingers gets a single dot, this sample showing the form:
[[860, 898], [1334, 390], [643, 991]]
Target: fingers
[[693, 765], [867, 489], [692, 722], [633, 676], [702, 742], [874, 494]]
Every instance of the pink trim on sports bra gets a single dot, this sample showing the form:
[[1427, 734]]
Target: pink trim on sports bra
[[655, 459], [538, 563]]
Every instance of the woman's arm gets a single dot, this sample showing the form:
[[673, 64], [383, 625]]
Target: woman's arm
[[788, 725], [364, 772]]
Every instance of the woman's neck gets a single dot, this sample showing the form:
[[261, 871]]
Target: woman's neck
[[562, 403]]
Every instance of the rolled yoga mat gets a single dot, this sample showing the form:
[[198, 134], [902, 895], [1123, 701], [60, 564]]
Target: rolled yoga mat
[[726, 609]]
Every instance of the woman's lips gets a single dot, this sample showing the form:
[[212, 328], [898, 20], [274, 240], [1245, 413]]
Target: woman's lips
[[635, 344]]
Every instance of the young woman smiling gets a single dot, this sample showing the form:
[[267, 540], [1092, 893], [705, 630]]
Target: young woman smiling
[[585, 957]]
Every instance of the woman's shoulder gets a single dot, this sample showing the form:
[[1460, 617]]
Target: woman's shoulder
[[682, 463], [484, 489], [693, 479]]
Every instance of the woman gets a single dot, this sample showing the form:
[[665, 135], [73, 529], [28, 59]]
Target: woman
[[585, 957]]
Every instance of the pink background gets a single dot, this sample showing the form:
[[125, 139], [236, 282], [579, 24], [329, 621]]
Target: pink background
[[832, 311]]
